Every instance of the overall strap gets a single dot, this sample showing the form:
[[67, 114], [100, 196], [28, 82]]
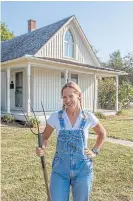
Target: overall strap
[[84, 119], [61, 120]]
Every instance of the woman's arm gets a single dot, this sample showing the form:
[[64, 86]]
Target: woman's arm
[[101, 135], [46, 134]]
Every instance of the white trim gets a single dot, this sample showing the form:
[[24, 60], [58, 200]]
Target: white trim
[[74, 44], [8, 90], [14, 71], [94, 95], [66, 76], [28, 89], [44, 63]]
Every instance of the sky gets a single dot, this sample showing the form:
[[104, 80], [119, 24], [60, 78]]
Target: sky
[[107, 25]]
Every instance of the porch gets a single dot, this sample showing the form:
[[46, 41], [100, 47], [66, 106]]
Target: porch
[[18, 115]]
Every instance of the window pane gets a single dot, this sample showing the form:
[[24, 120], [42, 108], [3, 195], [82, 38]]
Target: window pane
[[66, 49], [67, 36], [69, 44], [71, 50], [62, 79], [74, 77]]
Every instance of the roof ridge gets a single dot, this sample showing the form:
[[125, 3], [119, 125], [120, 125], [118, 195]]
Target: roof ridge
[[39, 28], [31, 42]]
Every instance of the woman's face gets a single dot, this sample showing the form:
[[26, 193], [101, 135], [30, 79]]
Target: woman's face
[[70, 98]]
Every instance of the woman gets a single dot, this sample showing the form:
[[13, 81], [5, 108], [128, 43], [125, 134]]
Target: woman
[[72, 164]]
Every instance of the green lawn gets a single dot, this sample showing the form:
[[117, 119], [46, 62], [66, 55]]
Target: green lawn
[[120, 127], [22, 178]]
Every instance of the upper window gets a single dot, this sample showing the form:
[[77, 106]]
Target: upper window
[[68, 45]]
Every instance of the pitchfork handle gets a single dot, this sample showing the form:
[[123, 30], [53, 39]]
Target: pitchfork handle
[[45, 175]]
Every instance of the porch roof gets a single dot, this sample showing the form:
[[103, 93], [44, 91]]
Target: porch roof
[[63, 61]]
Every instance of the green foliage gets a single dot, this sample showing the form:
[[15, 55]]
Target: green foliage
[[106, 93], [128, 67], [8, 118], [5, 33], [100, 115], [107, 88], [125, 95], [32, 122], [115, 61]]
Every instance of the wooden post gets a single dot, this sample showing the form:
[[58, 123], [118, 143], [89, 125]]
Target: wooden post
[[8, 90], [28, 89], [117, 87], [95, 95], [66, 76]]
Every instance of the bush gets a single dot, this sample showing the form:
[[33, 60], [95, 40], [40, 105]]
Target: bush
[[107, 94], [8, 118], [32, 122], [100, 115]]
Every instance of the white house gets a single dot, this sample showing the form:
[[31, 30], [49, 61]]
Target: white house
[[37, 64]]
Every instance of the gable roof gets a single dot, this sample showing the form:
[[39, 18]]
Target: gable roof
[[29, 43]]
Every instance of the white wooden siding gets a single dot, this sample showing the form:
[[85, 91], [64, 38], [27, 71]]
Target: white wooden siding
[[86, 84], [55, 48], [46, 87]]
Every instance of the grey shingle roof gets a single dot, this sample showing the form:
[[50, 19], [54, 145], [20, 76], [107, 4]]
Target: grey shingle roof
[[29, 43]]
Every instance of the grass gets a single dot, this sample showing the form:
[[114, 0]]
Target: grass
[[22, 178], [120, 127]]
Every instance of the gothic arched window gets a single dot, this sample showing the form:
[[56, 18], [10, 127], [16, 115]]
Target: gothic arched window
[[68, 44]]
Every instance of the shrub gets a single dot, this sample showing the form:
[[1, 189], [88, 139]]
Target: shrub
[[106, 93], [8, 118], [100, 115]]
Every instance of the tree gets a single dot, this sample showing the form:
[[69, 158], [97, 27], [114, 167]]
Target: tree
[[115, 61], [5, 33], [128, 67], [107, 89]]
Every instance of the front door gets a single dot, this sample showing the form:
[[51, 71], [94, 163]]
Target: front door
[[19, 89]]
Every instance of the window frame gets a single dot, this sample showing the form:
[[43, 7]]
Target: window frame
[[71, 45]]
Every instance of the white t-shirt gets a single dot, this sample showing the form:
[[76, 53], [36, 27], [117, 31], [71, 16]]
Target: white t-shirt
[[91, 122]]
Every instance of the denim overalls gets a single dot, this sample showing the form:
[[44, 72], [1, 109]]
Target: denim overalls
[[70, 165]]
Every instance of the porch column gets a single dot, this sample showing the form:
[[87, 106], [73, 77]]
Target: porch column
[[28, 89], [117, 85], [95, 94], [66, 76], [8, 90]]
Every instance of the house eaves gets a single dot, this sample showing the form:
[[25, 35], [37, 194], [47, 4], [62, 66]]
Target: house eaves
[[60, 62], [93, 68]]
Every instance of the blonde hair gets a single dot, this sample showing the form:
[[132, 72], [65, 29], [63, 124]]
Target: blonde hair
[[74, 86]]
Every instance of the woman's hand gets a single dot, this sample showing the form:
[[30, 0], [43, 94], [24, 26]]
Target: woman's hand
[[89, 153], [40, 151]]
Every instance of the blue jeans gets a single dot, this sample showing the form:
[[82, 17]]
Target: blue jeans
[[78, 174]]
